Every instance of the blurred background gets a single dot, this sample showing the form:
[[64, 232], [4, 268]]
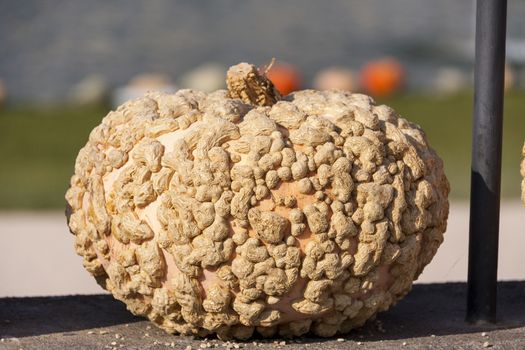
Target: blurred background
[[65, 64]]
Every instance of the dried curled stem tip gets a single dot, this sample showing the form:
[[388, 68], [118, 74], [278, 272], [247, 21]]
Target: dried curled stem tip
[[246, 83]]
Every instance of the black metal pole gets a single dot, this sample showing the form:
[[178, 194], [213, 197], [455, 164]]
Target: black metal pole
[[491, 17]]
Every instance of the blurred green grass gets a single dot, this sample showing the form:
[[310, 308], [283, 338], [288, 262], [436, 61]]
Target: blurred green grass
[[38, 145], [447, 122]]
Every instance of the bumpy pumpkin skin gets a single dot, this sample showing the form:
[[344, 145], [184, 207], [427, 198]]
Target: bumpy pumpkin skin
[[241, 211]]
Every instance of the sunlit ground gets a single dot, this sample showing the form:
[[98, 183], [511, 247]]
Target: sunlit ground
[[38, 145]]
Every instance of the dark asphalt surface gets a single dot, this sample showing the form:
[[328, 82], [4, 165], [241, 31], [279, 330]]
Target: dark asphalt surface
[[430, 317]]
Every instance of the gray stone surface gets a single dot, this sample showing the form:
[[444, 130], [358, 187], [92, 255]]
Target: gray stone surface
[[430, 317]]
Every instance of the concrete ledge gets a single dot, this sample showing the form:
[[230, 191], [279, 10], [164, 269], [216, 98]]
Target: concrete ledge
[[431, 316]]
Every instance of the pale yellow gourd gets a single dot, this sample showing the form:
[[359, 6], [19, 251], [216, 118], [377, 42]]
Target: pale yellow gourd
[[242, 211]]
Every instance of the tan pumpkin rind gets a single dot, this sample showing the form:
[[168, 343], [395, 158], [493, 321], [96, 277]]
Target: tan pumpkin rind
[[241, 210]]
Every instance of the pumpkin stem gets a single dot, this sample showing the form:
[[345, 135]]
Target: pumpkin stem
[[246, 83], [269, 66]]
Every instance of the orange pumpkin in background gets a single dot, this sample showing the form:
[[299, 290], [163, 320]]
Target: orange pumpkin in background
[[285, 77], [382, 77]]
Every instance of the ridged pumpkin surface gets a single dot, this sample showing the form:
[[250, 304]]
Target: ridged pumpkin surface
[[241, 211]]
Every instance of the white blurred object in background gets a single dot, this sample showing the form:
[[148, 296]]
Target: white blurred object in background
[[92, 89], [449, 80], [510, 77], [338, 78], [207, 77], [140, 85]]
